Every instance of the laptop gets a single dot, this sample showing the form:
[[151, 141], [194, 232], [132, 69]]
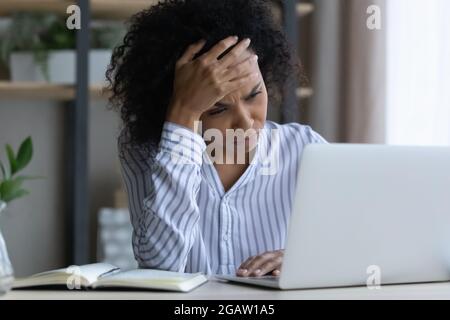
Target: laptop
[[366, 215]]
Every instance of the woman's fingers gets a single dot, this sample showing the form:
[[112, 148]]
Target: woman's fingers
[[270, 265], [276, 272], [190, 52], [269, 262], [243, 268], [232, 57], [245, 264], [255, 267], [215, 52], [241, 69], [237, 83], [253, 264]]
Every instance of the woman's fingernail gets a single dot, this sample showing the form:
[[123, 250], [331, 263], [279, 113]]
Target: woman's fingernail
[[258, 271], [243, 270]]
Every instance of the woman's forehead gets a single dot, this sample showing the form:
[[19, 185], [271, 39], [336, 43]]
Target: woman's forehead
[[244, 91]]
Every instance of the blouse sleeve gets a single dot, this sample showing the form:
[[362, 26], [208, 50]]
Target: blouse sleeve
[[162, 188]]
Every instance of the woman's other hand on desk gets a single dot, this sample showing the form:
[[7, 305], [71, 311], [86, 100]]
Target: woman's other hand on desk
[[268, 263]]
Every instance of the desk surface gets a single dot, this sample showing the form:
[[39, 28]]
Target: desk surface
[[217, 290]]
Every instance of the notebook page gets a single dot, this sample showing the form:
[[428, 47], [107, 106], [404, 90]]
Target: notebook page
[[89, 271], [140, 275]]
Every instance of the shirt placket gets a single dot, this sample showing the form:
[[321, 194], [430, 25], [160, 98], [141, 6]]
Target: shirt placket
[[225, 235]]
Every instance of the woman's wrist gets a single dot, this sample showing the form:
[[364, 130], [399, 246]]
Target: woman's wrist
[[182, 115]]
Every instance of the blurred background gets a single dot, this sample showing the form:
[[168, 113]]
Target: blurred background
[[378, 71]]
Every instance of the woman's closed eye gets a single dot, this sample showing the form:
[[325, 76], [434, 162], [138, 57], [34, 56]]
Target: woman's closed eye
[[253, 96], [221, 109], [217, 110]]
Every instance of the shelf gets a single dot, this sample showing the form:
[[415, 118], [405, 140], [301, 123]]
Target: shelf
[[44, 91], [101, 9], [118, 9], [59, 92], [10, 6]]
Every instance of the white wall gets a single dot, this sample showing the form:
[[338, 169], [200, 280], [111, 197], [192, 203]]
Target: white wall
[[33, 227]]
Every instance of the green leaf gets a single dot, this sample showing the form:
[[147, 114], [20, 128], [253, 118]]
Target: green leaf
[[2, 168], [12, 189], [23, 178], [18, 194], [25, 154], [12, 159]]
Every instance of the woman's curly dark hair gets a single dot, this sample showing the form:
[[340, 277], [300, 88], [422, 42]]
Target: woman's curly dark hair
[[141, 73]]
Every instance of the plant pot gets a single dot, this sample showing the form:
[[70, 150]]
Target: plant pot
[[6, 270], [99, 60], [60, 65]]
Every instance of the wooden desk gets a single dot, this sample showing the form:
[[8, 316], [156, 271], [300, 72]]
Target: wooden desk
[[215, 290]]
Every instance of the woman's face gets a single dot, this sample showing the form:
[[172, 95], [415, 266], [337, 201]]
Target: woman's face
[[243, 109]]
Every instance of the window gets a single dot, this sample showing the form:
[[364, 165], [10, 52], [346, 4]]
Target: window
[[418, 72]]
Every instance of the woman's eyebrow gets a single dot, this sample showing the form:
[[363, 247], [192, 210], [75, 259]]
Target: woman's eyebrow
[[221, 104], [253, 90]]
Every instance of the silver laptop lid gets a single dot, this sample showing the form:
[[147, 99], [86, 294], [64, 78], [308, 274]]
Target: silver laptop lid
[[369, 212]]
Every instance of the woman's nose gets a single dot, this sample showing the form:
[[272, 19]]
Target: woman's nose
[[242, 118]]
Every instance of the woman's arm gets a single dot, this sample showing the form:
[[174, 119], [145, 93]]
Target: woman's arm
[[162, 198]]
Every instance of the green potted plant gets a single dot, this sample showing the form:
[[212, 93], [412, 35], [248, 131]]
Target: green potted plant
[[11, 188], [40, 47], [35, 47]]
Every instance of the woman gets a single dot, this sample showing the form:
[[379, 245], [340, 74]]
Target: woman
[[187, 74]]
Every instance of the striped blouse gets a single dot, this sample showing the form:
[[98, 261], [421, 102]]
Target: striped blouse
[[183, 220]]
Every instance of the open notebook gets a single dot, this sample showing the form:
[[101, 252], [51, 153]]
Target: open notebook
[[104, 275]]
